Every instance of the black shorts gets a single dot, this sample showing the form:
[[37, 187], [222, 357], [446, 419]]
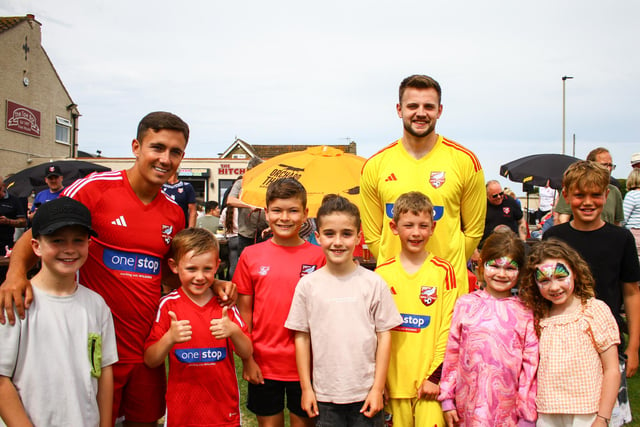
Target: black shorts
[[267, 399]]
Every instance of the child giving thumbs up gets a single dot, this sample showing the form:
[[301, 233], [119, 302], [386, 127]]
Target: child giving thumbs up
[[198, 337]]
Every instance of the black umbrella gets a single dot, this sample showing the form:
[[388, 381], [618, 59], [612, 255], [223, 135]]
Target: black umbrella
[[538, 169], [24, 182]]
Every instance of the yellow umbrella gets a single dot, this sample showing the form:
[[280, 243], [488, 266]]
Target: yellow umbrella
[[322, 170]]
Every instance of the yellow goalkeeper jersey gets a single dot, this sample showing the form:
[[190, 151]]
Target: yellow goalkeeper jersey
[[451, 176], [425, 300]]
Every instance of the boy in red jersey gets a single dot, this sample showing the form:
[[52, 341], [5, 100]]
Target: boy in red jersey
[[199, 337], [135, 222], [267, 275]]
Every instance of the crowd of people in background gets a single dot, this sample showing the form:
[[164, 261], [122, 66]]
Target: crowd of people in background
[[547, 337]]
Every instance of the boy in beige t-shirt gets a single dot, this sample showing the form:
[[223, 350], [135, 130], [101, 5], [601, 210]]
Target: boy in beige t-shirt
[[346, 313]]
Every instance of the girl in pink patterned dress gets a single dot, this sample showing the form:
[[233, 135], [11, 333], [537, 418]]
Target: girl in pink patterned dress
[[578, 376], [489, 370]]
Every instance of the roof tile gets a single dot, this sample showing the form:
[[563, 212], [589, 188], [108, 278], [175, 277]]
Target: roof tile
[[8, 22]]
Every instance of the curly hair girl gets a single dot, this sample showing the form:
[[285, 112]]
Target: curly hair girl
[[529, 289]]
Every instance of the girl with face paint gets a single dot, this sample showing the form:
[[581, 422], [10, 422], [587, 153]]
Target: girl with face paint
[[578, 374], [489, 369]]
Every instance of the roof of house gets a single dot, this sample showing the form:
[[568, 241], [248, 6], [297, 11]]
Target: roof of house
[[8, 22], [244, 145], [268, 151]]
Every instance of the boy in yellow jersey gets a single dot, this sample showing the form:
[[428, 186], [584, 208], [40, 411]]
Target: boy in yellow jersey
[[423, 287]]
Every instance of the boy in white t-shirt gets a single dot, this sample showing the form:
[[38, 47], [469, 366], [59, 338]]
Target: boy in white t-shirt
[[345, 313], [55, 364]]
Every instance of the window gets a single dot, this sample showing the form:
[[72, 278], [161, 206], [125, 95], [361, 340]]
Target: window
[[63, 130], [224, 185]]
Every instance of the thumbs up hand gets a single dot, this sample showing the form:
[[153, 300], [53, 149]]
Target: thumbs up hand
[[180, 329], [223, 327]]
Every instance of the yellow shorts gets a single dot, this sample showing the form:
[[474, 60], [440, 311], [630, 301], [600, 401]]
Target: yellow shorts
[[414, 412]]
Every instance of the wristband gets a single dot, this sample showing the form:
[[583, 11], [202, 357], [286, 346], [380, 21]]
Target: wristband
[[606, 420]]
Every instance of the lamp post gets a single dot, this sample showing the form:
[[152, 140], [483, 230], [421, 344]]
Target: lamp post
[[564, 81]]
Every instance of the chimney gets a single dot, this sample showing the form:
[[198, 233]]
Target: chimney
[[31, 16]]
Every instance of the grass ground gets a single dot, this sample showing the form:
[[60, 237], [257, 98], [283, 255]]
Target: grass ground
[[249, 420]]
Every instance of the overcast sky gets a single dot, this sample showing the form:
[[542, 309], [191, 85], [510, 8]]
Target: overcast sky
[[298, 72]]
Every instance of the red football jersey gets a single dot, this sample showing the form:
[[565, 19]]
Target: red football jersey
[[125, 259], [270, 273], [202, 388]]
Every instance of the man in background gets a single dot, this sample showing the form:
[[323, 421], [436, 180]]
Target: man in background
[[53, 179], [12, 216], [251, 219], [211, 218], [502, 210], [185, 196]]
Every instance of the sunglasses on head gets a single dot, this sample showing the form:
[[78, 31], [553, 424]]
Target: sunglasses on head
[[495, 196]]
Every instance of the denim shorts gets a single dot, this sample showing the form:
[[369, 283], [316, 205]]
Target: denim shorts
[[346, 415]]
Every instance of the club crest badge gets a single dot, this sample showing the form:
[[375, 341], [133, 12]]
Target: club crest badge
[[428, 295], [167, 233], [436, 179], [264, 269], [506, 210]]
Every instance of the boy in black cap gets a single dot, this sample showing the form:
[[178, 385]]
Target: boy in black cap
[[66, 324], [53, 178]]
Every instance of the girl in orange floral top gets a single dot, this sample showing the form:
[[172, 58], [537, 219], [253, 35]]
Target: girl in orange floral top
[[578, 374]]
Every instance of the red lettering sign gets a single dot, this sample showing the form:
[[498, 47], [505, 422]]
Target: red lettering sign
[[23, 119], [228, 170]]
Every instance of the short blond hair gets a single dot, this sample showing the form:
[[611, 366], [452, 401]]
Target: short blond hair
[[585, 174], [414, 202], [633, 180]]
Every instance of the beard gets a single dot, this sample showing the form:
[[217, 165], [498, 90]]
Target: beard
[[429, 130]]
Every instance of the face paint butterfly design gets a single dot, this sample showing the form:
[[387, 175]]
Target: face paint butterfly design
[[546, 273], [506, 264]]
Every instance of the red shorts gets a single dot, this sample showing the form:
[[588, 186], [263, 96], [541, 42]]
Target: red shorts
[[138, 392]]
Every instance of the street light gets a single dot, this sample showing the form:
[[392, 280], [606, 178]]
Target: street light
[[564, 81]]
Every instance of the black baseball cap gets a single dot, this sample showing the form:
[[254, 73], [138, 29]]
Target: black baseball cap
[[52, 170], [61, 212]]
